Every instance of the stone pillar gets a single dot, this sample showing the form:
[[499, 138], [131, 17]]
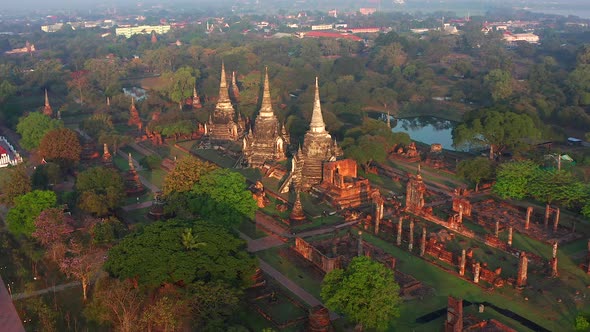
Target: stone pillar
[[497, 231], [547, 213], [522, 271], [529, 211], [460, 219], [411, 244], [400, 224], [510, 236], [360, 244], [378, 215], [423, 242], [553, 261], [476, 271], [462, 263], [556, 220], [393, 263]]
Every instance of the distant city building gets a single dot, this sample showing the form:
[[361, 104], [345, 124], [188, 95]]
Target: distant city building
[[333, 13], [29, 48], [142, 30], [52, 27], [367, 11], [327, 34], [517, 37], [8, 155], [322, 27], [363, 30]]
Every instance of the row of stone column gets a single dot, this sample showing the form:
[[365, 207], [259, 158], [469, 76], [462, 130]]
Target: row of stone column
[[529, 212], [411, 239]]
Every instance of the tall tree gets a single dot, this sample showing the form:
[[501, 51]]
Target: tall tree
[[222, 258], [186, 174], [366, 292], [79, 82], [84, 263], [21, 217], [222, 196], [52, 229], [559, 187], [513, 179], [499, 84], [475, 170], [499, 130], [101, 190], [62, 146], [18, 183], [179, 85], [33, 127]]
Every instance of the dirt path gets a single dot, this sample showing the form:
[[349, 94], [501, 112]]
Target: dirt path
[[57, 288]]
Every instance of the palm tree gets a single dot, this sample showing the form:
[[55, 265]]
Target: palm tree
[[189, 241]]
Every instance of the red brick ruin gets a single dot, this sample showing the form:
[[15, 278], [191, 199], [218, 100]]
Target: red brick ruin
[[454, 321]]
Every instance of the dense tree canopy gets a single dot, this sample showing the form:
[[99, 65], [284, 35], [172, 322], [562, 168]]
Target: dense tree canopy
[[186, 174], [223, 257], [33, 127], [101, 190], [21, 217], [475, 170], [18, 183], [222, 196], [513, 179], [366, 292], [62, 146], [499, 130]]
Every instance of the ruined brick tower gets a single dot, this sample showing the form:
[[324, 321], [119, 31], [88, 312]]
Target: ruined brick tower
[[47, 110], [266, 140], [222, 125]]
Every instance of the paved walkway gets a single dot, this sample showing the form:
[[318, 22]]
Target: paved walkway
[[264, 243], [57, 288], [137, 206]]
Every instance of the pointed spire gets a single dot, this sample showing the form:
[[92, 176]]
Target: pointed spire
[[223, 93], [196, 99], [105, 149], [317, 124], [108, 101], [297, 213], [131, 165], [266, 106], [47, 108]]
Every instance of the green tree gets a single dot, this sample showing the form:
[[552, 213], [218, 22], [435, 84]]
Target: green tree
[[179, 85], [559, 187], [366, 292], [513, 179], [21, 217], [18, 183], [33, 127], [475, 170], [6, 90], [499, 130], [499, 84], [62, 146], [101, 190], [186, 174], [223, 258], [222, 196], [582, 323], [212, 305]]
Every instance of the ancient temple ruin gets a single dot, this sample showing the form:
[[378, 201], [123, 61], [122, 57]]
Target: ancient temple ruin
[[134, 119], [415, 190], [133, 186], [222, 126], [341, 186], [318, 147], [47, 110], [267, 140], [196, 100]]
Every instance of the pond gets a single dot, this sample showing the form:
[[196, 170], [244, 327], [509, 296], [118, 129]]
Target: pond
[[423, 129]]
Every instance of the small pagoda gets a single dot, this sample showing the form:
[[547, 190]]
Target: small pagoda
[[107, 158], [133, 186], [196, 99], [297, 216], [222, 126], [134, 119], [47, 110]]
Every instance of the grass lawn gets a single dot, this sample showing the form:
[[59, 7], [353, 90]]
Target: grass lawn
[[215, 157], [542, 306], [303, 275], [155, 176], [251, 230]]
